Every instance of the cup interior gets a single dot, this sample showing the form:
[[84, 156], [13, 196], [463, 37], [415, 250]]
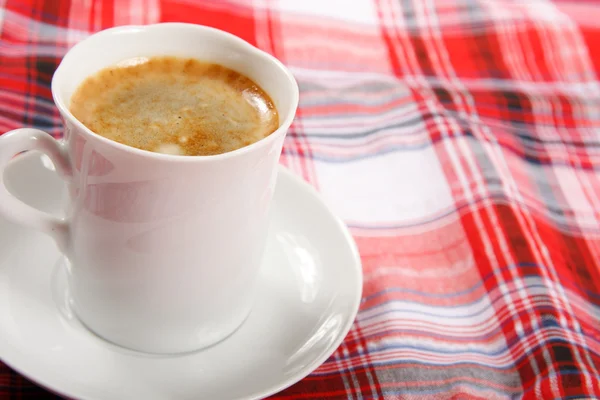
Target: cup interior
[[114, 45]]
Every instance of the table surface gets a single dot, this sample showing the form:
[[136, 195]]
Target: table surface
[[458, 139]]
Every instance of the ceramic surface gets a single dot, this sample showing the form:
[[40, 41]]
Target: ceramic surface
[[308, 293], [165, 249]]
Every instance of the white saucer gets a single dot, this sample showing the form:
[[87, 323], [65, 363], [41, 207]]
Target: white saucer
[[309, 293]]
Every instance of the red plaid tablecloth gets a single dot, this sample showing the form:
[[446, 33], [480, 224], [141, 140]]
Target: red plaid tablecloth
[[459, 140]]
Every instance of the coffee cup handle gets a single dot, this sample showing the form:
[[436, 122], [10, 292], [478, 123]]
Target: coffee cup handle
[[13, 209]]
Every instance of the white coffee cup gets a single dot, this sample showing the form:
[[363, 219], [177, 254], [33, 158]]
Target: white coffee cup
[[163, 250]]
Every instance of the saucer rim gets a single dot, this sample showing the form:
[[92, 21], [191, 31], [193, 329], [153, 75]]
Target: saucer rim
[[356, 267]]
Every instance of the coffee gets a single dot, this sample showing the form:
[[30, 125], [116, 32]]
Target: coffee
[[175, 105]]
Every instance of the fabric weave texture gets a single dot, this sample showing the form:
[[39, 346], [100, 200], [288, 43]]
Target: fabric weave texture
[[460, 142]]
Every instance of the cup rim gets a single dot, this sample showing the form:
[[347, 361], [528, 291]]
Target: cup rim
[[256, 52]]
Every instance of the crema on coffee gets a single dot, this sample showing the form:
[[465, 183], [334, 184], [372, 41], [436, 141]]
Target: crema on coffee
[[175, 105]]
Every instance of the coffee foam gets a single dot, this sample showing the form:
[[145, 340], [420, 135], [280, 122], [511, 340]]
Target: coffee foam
[[175, 106]]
